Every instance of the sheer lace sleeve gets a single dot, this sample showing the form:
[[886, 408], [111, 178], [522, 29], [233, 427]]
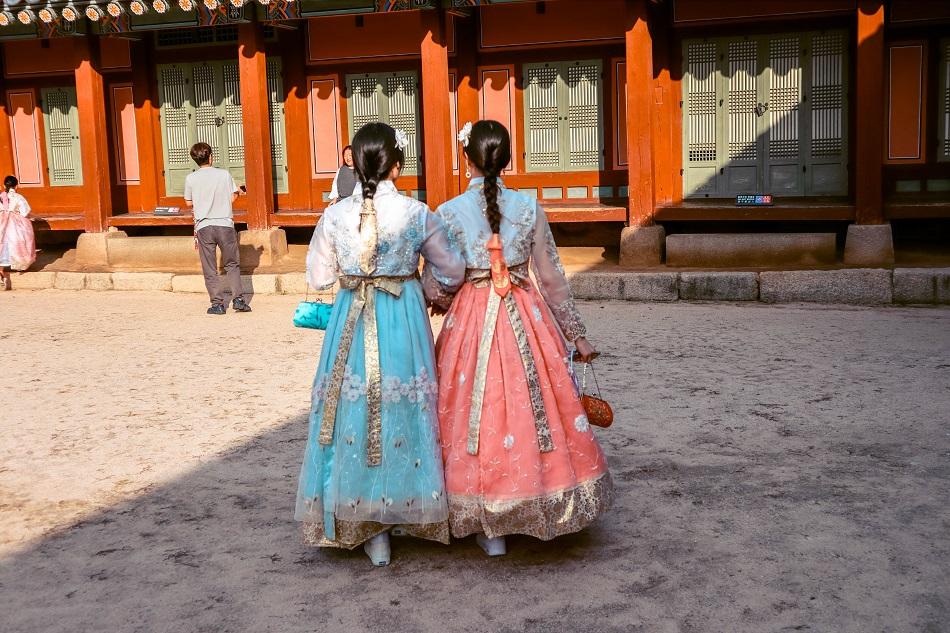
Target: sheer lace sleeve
[[551, 280], [444, 269], [322, 268]]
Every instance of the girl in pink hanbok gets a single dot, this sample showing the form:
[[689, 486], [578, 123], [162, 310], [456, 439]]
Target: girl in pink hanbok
[[518, 450], [17, 244]]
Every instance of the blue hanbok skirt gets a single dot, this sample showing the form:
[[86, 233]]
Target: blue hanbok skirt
[[342, 500]]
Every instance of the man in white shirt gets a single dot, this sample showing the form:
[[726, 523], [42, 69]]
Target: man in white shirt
[[210, 192]]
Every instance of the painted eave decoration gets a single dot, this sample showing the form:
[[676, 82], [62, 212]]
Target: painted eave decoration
[[21, 19]]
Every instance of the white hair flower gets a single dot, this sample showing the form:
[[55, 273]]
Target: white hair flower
[[465, 133], [402, 139]]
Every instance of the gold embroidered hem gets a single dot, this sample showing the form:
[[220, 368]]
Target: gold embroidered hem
[[352, 534], [544, 517]]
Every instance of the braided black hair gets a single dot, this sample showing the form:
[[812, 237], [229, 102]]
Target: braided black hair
[[489, 149], [375, 152]]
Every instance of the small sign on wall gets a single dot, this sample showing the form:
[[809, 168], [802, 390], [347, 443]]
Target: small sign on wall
[[754, 200], [167, 210]]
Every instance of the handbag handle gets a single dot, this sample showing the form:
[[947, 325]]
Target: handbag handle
[[584, 378]]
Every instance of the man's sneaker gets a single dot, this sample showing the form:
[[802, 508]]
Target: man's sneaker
[[217, 309], [240, 305]]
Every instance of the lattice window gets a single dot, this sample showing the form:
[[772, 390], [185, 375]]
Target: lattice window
[[785, 97], [765, 113], [701, 75], [391, 98], [541, 101], [583, 115], [201, 102], [827, 95], [743, 71], [563, 120], [61, 121], [402, 98]]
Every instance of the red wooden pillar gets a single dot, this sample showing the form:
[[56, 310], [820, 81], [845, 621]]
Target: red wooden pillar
[[151, 181], [297, 118], [6, 137], [639, 100], [435, 108], [258, 164], [466, 95], [93, 137], [869, 113]]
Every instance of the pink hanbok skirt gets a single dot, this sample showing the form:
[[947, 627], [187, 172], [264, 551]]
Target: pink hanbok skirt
[[17, 244], [510, 486]]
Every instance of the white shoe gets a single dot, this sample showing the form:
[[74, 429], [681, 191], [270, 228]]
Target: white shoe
[[492, 546], [377, 548]]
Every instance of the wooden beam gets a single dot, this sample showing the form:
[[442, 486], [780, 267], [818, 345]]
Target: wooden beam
[[639, 53], [151, 179], [436, 101], [91, 102], [258, 163], [869, 113]]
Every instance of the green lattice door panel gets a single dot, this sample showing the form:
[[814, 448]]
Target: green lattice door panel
[[827, 130], [701, 118], [278, 135], [391, 98], [740, 144], [943, 106], [765, 114], [564, 116], [783, 131], [61, 123], [201, 102]]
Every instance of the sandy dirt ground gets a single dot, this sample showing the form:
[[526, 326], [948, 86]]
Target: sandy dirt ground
[[778, 469]]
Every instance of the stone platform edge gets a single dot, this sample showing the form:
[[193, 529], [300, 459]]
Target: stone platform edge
[[858, 286]]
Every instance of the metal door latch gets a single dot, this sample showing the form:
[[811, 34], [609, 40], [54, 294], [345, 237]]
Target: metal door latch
[[761, 108]]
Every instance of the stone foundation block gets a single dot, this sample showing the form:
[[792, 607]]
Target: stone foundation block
[[38, 280], [92, 249], [650, 287], [189, 283], [596, 285], [70, 281], [98, 281], [942, 285], [260, 284], [869, 245], [142, 281], [915, 285], [725, 250], [292, 283], [719, 286], [262, 248], [864, 286], [175, 252], [642, 246]]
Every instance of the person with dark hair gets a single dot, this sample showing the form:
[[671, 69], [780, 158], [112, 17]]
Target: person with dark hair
[[519, 454], [210, 193], [17, 242], [372, 460], [344, 182]]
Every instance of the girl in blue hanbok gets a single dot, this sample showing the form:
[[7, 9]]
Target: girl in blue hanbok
[[372, 460]]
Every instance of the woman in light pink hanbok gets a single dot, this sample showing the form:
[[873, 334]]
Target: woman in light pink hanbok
[[518, 450], [17, 244]]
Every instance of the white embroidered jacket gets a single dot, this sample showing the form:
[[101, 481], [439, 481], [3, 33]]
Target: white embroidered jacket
[[17, 204], [525, 235], [405, 228]]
